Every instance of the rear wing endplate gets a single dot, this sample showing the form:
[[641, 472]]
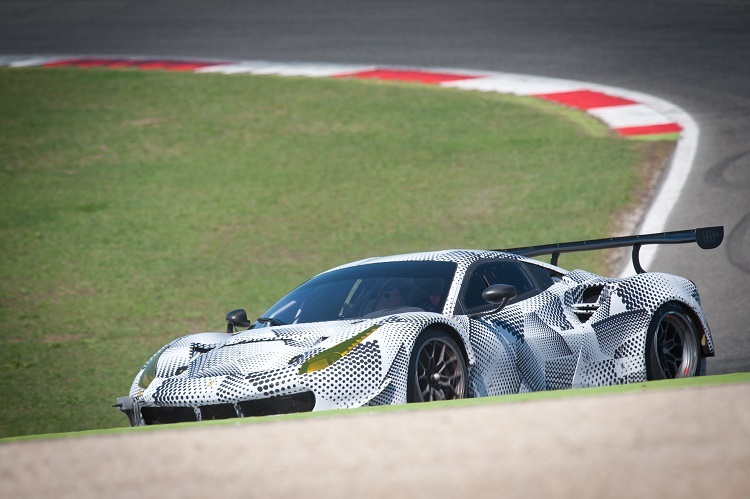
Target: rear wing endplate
[[706, 237]]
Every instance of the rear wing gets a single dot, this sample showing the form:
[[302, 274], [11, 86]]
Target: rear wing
[[706, 237]]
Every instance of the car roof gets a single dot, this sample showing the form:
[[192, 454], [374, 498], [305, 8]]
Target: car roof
[[463, 258]]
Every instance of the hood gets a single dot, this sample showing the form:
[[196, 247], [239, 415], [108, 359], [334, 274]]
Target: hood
[[264, 349]]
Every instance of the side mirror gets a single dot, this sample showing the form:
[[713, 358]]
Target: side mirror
[[496, 294], [237, 318]]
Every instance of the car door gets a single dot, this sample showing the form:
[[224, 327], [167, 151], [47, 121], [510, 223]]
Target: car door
[[514, 347], [495, 371]]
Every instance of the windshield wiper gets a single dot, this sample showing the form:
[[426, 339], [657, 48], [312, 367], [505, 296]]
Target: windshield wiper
[[271, 321]]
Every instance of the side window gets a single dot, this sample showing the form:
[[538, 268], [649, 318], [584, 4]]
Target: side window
[[473, 292], [496, 272], [544, 277]]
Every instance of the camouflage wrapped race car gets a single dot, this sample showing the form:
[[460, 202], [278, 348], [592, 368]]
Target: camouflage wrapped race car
[[435, 326]]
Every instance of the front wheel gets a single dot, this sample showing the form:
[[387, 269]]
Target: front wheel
[[437, 369], [672, 347]]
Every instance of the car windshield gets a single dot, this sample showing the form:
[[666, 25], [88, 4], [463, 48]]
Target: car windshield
[[365, 291]]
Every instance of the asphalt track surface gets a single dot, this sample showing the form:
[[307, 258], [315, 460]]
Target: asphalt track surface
[[694, 53]]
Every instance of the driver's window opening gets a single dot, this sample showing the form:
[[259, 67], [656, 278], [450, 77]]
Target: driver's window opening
[[496, 272]]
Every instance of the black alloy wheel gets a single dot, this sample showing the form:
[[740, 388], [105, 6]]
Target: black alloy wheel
[[437, 369], [672, 346]]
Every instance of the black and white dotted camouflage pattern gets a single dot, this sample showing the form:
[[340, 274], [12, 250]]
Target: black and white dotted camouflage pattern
[[535, 344]]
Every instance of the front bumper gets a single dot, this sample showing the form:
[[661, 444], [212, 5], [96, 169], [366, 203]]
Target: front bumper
[[141, 415]]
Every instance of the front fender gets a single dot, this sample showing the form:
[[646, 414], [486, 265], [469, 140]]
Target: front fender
[[177, 353], [406, 329], [398, 334]]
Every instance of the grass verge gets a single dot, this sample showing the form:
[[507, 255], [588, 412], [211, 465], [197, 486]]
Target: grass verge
[[139, 206]]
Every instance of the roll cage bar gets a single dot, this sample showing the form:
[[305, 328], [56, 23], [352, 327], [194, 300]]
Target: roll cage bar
[[706, 237]]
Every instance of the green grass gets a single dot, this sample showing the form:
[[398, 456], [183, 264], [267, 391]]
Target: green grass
[[139, 206]]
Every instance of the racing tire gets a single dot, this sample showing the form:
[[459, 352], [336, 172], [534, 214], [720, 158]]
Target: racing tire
[[672, 345], [437, 369]]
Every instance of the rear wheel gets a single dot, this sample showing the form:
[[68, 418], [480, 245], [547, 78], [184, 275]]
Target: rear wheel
[[672, 346], [437, 369]]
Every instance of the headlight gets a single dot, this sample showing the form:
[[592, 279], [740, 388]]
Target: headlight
[[329, 356], [149, 370]]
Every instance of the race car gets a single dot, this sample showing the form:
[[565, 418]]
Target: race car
[[432, 326]]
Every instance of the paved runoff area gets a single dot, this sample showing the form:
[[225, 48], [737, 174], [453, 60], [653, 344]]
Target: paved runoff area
[[689, 442]]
